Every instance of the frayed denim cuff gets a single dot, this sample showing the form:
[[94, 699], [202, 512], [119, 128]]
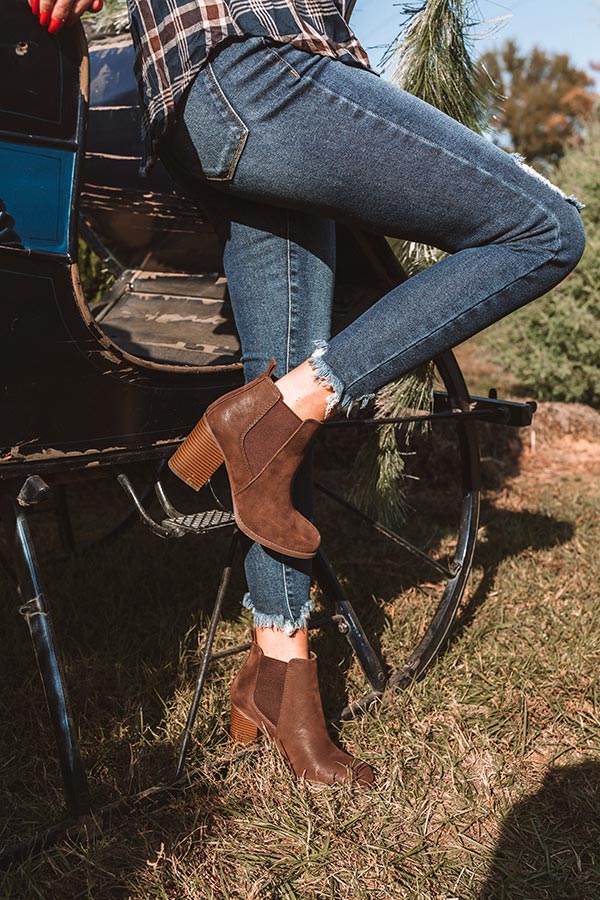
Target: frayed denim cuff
[[278, 621], [341, 399]]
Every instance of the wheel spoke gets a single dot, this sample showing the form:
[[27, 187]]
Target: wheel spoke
[[392, 535]]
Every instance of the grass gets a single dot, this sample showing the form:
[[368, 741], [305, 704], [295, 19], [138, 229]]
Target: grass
[[488, 769]]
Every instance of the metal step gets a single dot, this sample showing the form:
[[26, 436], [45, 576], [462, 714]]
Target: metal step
[[177, 524], [198, 523]]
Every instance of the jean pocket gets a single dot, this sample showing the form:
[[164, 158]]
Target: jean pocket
[[280, 59], [216, 131]]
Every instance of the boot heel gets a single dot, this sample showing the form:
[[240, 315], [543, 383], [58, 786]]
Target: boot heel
[[197, 458], [241, 729]]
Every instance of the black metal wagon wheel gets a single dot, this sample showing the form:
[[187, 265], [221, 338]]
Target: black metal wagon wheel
[[396, 587]]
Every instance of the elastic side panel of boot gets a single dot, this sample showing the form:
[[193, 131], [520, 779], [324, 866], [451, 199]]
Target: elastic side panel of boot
[[269, 687], [267, 436]]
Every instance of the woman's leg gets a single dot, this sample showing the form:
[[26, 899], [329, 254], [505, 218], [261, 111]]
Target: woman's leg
[[280, 268], [337, 141]]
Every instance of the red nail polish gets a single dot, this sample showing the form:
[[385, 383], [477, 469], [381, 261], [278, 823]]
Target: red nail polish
[[35, 7], [55, 25], [45, 18]]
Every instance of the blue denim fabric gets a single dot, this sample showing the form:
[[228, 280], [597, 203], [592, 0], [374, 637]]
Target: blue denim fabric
[[280, 144]]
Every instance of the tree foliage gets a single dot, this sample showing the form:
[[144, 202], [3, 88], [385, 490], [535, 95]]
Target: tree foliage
[[538, 103]]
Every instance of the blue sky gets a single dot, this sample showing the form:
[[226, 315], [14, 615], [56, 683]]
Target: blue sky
[[571, 27]]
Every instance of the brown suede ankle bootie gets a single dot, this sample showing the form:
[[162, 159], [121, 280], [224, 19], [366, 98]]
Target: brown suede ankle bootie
[[262, 442], [283, 701]]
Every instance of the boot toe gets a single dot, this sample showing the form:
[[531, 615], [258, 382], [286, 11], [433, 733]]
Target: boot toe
[[364, 774]]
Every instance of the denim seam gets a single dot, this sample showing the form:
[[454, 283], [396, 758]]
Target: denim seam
[[467, 162], [423, 140], [243, 137], [289, 287], [513, 188], [285, 588], [449, 322], [281, 60]]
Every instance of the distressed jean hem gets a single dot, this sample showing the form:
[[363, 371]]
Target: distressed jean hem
[[278, 621], [572, 199], [339, 400]]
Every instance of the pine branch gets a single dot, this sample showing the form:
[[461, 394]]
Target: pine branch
[[433, 59], [110, 21]]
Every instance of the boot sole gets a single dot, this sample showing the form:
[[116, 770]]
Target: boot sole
[[271, 545]]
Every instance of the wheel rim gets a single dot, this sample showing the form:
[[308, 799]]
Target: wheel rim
[[420, 650]]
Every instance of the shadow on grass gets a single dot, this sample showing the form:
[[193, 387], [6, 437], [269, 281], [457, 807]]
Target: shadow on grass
[[549, 845], [508, 534]]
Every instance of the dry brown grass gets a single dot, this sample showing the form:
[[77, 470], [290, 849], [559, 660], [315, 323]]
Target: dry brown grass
[[488, 770]]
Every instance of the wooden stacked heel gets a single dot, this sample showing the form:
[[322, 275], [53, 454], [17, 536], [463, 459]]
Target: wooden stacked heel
[[198, 457], [241, 729]]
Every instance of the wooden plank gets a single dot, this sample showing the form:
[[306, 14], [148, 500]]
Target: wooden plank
[[173, 329]]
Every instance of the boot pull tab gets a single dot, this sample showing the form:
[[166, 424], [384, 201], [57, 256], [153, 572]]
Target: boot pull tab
[[270, 368]]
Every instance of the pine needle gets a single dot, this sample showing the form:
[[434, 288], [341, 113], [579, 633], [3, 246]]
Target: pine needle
[[432, 59]]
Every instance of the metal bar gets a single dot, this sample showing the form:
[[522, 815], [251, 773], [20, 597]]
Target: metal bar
[[359, 707], [48, 255], [206, 654], [100, 249], [367, 657], [409, 420], [230, 651], [65, 526], [147, 520], [85, 460], [166, 504], [392, 535], [489, 409], [16, 137], [36, 612]]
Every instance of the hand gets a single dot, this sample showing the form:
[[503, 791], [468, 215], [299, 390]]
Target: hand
[[53, 14]]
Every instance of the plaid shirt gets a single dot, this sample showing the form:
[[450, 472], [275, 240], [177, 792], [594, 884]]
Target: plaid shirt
[[173, 38]]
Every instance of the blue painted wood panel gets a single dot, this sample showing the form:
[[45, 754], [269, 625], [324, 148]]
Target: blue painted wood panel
[[36, 185]]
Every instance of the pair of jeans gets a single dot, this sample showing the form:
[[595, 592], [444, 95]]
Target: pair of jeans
[[279, 144]]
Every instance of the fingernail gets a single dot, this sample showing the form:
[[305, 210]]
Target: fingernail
[[55, 25], [35, 7], [45, 18]]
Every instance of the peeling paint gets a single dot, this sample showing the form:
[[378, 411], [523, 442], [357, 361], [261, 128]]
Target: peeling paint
[[109, 356]]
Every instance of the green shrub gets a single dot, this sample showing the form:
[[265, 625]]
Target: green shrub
[[95, 277], [553, 344]]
